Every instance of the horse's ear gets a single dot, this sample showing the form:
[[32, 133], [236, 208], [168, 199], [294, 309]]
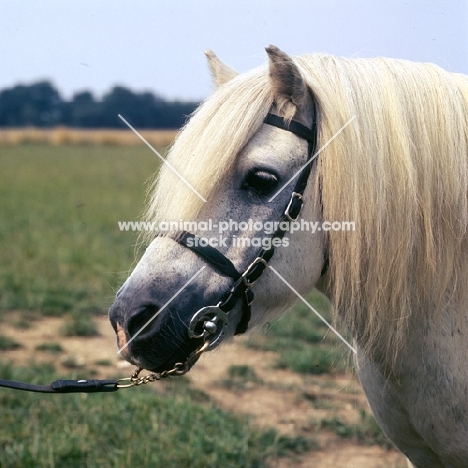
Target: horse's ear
[[289, 89], [221, 72]]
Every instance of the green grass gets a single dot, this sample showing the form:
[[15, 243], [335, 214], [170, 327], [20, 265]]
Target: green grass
[[80, 325], [103, 362], [242, 372], [61, 253], [7, 343], [134, 427], [303, 342], [60, 246], [366, 431], [309, 360], [50, 347], [241, 377]]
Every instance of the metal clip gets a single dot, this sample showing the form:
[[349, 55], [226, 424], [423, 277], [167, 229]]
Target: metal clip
[[296, 196], [125, 385]]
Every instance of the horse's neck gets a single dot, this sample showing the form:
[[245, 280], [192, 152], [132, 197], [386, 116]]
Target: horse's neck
[[421, 401], [433, 341]]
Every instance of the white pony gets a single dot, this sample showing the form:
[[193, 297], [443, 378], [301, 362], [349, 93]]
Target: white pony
[[393, 141]]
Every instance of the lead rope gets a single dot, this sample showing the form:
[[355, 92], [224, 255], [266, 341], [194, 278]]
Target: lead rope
[[107, 386]]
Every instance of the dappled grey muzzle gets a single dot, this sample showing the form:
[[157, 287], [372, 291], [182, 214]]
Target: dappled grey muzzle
[[155, 341]]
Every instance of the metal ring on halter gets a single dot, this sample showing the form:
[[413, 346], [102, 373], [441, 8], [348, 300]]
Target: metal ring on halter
[[209, 322], [287, 212]]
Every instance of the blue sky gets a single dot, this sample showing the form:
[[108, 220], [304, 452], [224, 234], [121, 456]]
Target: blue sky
[[159, 45]]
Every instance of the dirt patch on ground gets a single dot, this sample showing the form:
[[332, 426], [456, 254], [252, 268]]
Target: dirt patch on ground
[[293, 404]]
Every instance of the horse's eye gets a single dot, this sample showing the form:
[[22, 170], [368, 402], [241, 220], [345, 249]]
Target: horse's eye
[[260, 181]]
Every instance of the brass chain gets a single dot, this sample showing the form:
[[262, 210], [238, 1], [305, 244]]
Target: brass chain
[[179, 369]]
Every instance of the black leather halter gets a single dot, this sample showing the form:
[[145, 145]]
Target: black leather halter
[[211, 322]]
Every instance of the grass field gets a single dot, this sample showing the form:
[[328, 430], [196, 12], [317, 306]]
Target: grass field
[[61, 249], [63, 255], [138, 429], [61, 252]]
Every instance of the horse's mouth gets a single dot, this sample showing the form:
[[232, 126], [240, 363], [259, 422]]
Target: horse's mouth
[[182, 357]]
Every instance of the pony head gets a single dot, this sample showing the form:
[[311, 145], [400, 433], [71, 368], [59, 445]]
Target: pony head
[[393, 145], [224, 178]]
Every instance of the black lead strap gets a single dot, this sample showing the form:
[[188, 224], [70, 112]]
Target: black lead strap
[[65, 386]]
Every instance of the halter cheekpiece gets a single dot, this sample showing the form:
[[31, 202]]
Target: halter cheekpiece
[[211, 322]]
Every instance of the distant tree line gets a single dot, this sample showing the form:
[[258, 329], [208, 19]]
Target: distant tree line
[[40, 105]]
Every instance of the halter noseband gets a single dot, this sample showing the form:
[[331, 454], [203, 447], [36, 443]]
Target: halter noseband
[[211, 321]]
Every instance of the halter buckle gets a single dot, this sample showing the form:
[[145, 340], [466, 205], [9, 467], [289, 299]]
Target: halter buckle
[[295, 198], [250, 268]]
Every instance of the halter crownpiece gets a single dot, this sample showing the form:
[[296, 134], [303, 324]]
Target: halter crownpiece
[[211, 322]]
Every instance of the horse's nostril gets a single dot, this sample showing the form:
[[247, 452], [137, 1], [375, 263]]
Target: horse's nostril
[[142, 319]]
